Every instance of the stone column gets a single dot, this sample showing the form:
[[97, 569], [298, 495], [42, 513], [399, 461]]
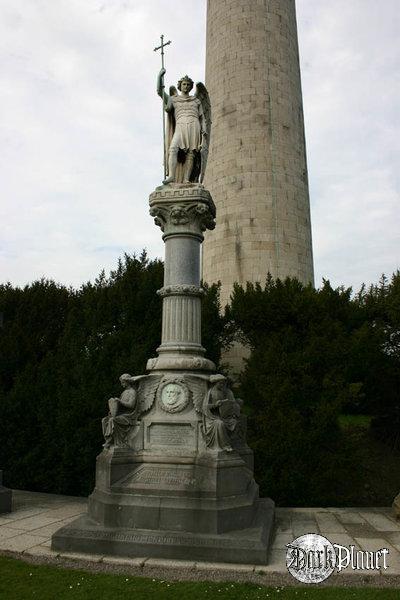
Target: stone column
[[183, 212], [175, 477]]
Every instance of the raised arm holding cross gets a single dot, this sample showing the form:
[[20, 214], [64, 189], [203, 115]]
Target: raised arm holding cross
[[161, 47]]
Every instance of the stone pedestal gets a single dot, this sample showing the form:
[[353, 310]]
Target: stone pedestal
[[177, 481], [5, 497]]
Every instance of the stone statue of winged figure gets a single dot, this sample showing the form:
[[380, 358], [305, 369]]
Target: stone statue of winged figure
[[188, 130]]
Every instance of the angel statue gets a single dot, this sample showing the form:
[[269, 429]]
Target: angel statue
[[123, 413], [188, 130]]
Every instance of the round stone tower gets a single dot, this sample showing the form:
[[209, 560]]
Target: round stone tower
[[257, 166]]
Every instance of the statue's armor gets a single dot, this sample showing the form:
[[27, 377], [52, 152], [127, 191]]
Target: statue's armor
[[187, 135]]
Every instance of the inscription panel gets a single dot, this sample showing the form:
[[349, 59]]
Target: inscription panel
[[154, 476], [169, 538], [176, 435]]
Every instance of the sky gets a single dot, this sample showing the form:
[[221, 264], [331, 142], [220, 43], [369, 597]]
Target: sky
[[81, 135]]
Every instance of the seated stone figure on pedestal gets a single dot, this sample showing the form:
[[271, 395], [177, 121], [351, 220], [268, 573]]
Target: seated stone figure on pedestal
[[188, 130], [119, 422], [221, 414]]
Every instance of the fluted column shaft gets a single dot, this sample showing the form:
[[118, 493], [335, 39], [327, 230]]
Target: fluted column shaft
[[181, 320], [183, 212]]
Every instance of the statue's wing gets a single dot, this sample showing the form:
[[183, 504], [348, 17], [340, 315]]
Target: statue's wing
[[135, 378], [173, 91], [198, 387], [147, 391], [202, 95]]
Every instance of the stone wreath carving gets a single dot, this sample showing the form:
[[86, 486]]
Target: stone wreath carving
[[184, 290]]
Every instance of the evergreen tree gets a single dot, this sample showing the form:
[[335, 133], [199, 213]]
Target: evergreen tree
[[61, 355], [377, 356], [295, 384]]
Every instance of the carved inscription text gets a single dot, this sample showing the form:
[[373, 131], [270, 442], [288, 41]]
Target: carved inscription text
[[176, 434]]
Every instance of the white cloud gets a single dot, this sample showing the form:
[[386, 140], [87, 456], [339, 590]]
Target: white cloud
[[80, 131], [350, 59]]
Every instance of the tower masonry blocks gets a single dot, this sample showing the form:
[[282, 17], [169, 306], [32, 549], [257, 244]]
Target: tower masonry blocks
[[257, 167]]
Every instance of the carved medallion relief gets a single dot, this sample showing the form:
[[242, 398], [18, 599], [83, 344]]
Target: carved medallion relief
[[173, 395]]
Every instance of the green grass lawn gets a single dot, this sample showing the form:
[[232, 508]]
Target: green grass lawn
[[20, 580]]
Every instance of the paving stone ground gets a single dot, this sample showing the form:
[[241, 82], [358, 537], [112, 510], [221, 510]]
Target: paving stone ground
[[26, 533]]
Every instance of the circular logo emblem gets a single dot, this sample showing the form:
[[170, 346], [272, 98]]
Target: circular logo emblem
[[310, 558], [173, 396]]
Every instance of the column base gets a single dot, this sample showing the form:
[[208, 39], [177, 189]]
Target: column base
[[180, 357]]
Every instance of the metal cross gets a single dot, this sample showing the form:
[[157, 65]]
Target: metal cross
[[161, 47]]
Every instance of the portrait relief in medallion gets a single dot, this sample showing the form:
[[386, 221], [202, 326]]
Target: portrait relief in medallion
[[173, 396]]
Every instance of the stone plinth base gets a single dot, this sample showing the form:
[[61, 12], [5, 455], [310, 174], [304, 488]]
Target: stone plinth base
[[249, 546], [209, 493], [5, 497]]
